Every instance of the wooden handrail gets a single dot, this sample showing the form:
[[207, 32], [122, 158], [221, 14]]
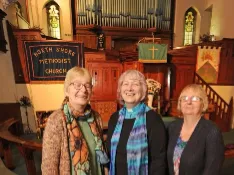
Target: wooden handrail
[[26, 147], [230, 111], [7, 135], [222, 113]]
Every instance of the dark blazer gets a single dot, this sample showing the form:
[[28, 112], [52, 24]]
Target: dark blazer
[[157, 141], [204, 152]]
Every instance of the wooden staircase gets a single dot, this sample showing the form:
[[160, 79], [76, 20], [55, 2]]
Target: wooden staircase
[[219, 110]]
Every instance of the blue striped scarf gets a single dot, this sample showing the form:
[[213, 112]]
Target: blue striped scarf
[[137, 145]]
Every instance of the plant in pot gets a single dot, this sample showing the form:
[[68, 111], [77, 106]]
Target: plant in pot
[[25, 102]]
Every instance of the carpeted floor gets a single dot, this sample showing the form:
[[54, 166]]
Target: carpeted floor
[[228, 166]]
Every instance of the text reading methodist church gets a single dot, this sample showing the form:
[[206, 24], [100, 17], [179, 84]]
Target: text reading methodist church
[[51, 60]]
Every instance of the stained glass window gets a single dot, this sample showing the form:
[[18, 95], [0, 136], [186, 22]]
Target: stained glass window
[[189, 26], [53, 19]]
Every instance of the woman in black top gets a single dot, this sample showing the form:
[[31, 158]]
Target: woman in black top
[[136, 135], [195, 145]]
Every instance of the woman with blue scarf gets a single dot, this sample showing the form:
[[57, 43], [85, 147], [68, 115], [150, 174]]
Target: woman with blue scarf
[[136, 134]]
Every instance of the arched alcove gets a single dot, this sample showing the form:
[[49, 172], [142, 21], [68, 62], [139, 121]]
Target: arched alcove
[[51, 18], [192, 26]]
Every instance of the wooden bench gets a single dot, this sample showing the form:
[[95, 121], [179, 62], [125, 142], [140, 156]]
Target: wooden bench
[[26, 147], [10, 130]]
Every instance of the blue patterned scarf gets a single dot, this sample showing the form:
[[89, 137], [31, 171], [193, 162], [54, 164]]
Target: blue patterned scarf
[[137, 145]]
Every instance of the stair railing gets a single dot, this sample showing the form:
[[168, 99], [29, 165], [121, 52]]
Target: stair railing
[[222, 113]]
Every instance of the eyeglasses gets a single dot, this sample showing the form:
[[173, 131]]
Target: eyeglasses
[[78, 85], [192, 98]]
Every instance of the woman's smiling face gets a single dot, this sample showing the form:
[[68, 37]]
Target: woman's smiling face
[[131, 91], [79, 97], [191, 103]]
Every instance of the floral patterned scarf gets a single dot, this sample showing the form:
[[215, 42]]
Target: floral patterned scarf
[[79, 150]]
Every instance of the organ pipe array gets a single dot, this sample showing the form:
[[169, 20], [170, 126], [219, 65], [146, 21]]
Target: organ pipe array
[[125, 13]]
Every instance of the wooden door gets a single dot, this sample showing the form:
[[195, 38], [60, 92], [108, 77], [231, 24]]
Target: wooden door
[[105, 81]]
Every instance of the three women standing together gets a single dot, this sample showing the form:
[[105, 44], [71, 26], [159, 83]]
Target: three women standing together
[[137, 138]]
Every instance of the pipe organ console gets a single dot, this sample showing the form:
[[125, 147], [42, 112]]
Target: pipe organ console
[[125, 13]]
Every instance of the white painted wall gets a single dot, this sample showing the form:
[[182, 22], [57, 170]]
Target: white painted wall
[[221, 24], [226, 92], [181, 7], [43, 96], [9, 92]]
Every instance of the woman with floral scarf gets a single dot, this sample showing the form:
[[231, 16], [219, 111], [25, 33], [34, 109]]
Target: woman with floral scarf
[[72, 141], [136, 134]]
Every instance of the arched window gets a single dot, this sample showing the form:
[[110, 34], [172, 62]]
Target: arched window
[[53, 18], [189, 26]]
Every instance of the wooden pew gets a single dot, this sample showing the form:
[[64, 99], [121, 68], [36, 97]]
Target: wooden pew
[[26, 147], [10, 131]]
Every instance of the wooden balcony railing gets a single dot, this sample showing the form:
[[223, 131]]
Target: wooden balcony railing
[[222, 113]]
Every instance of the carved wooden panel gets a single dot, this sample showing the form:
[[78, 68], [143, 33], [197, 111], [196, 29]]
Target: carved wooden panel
[[94, 56], [226, 71], [105, 109], [105, 78], [18, 71], [184, 76], [133, 65], [108, 42], [22, 35], [183, 70], [90, 41]]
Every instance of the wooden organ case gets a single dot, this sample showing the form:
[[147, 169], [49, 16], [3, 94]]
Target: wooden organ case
[[110, 31]]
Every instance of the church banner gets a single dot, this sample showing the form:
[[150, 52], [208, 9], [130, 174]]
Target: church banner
[[50, 60], [152, 53], [208, 59]]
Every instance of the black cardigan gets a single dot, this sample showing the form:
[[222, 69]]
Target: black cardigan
[[157, 142], [204, 152]]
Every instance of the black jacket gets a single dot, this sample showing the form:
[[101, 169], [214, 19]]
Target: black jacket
[[157, 142], [204, 152]]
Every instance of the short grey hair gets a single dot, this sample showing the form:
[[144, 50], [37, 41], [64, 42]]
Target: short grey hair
[[74, 73], [197, 89], [135, 75]]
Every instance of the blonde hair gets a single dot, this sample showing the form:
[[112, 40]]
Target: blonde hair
[[135, 75], [74, 73], [198, 90]]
